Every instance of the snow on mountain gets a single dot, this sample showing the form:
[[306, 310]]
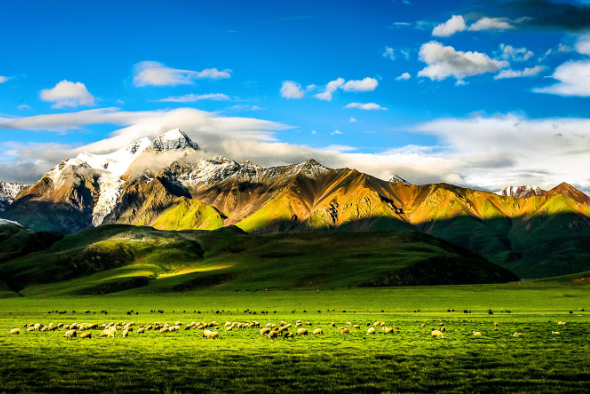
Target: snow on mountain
[[111, 187], [174, 139], [8, 193], [398, 179], [5, 221], [117, 162], [525, 191]]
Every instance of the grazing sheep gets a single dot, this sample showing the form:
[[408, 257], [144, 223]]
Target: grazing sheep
[[30, 329], [443, 329], [44, 329], [213, 335], [318, 331], [164, 330], [371, 331], [387, 330], [333, 324], [70, 334], [141, 330], [358, 327], [348, 323], [86, 335], [289, 335], [422, 325], [517, 334], [555, 333], [206, 333], [60, 325], [561, 323], [39, 325], [273, 335], [441, 324], [264, 331], [14, 331], [496, 324], [308, 323], [302, 331], [344, 331], [476, 334], [298, 324], [437, 334], [125, 333]]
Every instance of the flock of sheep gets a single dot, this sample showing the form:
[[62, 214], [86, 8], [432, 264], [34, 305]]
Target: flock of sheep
[[270, 330]]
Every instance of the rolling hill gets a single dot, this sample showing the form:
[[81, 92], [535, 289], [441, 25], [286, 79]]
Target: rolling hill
[[137, 259]]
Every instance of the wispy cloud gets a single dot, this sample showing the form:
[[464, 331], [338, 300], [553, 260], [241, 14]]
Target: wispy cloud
[[366, 106], [149, 73], [190, 98]]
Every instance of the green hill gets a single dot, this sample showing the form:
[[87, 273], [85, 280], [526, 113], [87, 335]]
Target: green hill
[[133, 259]]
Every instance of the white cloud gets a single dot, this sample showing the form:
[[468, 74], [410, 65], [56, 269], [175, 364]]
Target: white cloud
[[510, 149], [486, 23], [563, 48], [23, 106], [403, 77], [573, 76], [150, 73], [406, 54], [336, 132], [313, 132], [352, 120], [365, 106], [330, 88], [190, 98], [450, 27], [119, 101], [388, 53], [340, 148], [508, 52], [364, 85], [527, 72], [444, 62], [67, 94], [3, 79], [291, 90]]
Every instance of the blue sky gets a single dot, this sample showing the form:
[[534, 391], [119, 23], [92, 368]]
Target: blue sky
[[494, 92]]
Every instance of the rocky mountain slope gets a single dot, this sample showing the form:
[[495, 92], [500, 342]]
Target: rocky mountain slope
[[8, 193], [172, 184]]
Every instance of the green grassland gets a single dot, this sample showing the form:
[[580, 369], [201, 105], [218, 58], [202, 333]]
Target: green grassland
[[244, 361]]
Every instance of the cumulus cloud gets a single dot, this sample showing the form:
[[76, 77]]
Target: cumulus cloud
[[330, 88], [486, 23], [150, 73], [365, 106], [190, 98], [403, 77], [573, 76], [67, 94], [291, 90], [527, 72], [388, 53], [450, 27], [508, 52], [352, 120], [444, 62], [335, 132], [510, 149]]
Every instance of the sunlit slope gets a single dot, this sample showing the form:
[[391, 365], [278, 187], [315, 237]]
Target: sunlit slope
[[115, 258]]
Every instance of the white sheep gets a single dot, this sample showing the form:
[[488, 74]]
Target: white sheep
[[125, 333], [437, 334], [70, 334], [302, 331], [86, 335], [371, 331], [318, 331], [14, 331], [476, 334]]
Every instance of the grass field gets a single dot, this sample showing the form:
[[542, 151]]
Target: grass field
[[243, 361]]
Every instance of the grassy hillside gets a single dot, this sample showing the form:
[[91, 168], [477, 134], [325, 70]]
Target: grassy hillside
[[122, 258]]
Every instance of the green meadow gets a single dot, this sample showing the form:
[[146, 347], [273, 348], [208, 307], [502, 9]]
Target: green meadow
[[241, 361]]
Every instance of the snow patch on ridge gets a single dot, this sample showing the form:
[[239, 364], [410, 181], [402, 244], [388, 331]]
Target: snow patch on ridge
[[525, 191], [8, 193], [111, 187], [398, 179], [5, 221], [119, 161]]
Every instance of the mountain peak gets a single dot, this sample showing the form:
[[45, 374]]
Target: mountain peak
[[174, 139], [398, 179], [525, 191], [568, 190]]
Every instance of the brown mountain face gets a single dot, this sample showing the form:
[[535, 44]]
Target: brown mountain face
[[61, 201]]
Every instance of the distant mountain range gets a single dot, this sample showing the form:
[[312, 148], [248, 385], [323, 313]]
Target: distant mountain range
[[172, 184]]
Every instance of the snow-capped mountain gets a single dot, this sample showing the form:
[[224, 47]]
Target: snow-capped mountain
[[174, 139], [525, 191], [8, 193], [116, 163], [398, 179]]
